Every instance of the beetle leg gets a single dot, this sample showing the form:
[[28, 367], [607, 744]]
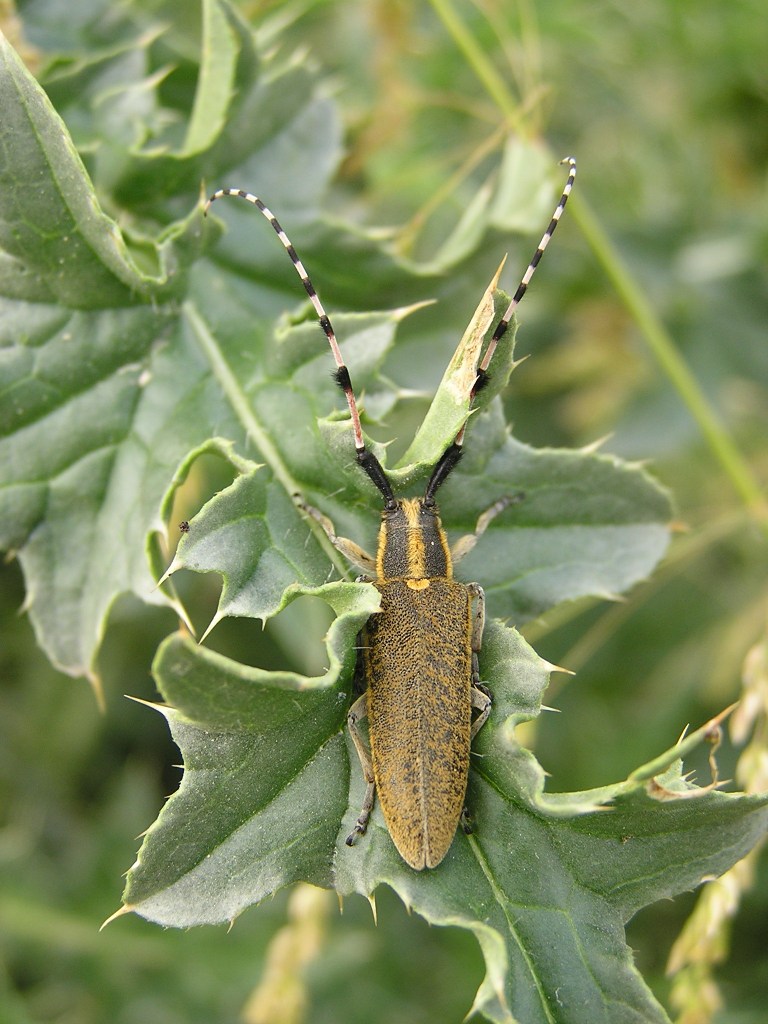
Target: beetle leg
[[465, 544], [358, 711], [477, 594], [359, 682], [480, 694], [351, 551], [481, 700]]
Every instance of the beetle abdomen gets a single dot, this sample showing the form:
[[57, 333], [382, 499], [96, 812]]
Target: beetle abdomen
[[418, 662]]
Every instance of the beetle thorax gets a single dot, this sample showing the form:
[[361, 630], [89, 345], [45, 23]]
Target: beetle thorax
[[412, 542]]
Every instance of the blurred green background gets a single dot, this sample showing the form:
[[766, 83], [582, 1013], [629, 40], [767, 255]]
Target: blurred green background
[[665, 104]]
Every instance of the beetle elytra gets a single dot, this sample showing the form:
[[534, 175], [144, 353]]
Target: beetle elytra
[[418, 660]]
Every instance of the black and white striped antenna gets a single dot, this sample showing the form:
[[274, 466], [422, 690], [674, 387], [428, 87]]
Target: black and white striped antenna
[[366, 458], [453, 453]]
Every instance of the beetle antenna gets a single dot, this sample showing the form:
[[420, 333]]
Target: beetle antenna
[[365, 458], [522, 288], [452, 454]]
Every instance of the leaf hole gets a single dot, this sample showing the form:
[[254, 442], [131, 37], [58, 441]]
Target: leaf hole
[[208, 474], [291, 641]]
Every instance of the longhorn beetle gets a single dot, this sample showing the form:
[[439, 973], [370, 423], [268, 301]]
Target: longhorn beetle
[[418, 655]]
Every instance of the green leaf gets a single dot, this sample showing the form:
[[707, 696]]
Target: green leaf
[[588, 523], [57, 245], [78, 397], [216, 80], [254, 536], [106, 389], [266, 775], [451, 404], [546, 882]]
